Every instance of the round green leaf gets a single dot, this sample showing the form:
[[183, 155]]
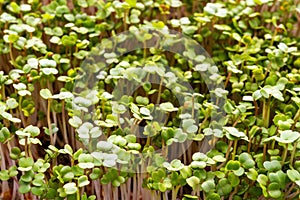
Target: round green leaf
[[70, 188], [45, 93]]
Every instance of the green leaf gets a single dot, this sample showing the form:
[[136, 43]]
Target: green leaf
[[68, 149], [33, 130], [14, 7], [186, 172], [174, 3], [4, 134], [27, 176], [274, 190], [193, 181], [11, 103], [37, 191], [45, 93], [58, 32], [222, 27], [257, 95], [213, 196], [70, 188], [293, 175], [83, 181], [233, 165], [262, 179], [198, 164], [277, 95], [233, 179], [85, 161], [223, 187], [264, 93], [69, 17], [142, 100], [82, 3], [77, 153], [132, 3], [49, 71], [96, 173], [232, 131], [168, 107], [208, 186], [283, 47], [104, 145], [175, 165], [246, 160], [272, 166], [189, 197], [4, 176], [287, 136], [15, 153], [47, 63], [252, 174], [219, 158], [12, 38], [25, 164], [63, 95], [145, 111], [75, 121], [24, 188]]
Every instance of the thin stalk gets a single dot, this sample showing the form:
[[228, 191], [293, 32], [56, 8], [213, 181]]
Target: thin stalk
[[20, 110], [148, 141], [134, 193], [273, 37], [55, 122], [227, 154], [128, 188], [296, 118], [256, 108], [293, 153], [202, 123], [78, 194], [233, 193], [118, 120], [29, 150], [227, 79], [165, 196], [4, 184], [292, 196], [123, 191], [284, 154], [174, 192], [159, 90], [289, 190], [26, 147], [116, 193], [273, 142], [124, 20], [145, 50], [249, 145], [264, 151], [234, 149], [236, 121], [64, 122], [184, 155], [49, 121], [266, 113], [193, 106], [3, 92], [153, 196], [11, 54]]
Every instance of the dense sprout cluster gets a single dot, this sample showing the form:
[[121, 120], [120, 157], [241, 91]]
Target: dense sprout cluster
[[159, 99]]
